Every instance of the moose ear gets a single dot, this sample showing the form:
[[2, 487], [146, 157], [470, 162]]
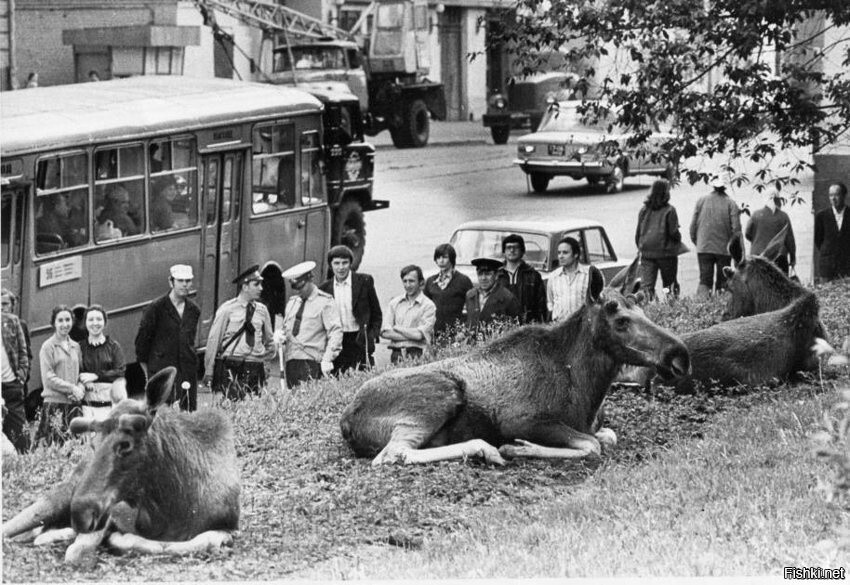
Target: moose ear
[[776, 246], [159, 388], [597, 284], [736, 248], [80, 425]]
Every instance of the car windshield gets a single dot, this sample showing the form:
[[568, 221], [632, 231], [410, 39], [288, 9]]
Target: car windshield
[[475, 243], [565, 117]]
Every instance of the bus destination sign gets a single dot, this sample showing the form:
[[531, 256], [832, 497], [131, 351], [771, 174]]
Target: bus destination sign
[[60, 271]]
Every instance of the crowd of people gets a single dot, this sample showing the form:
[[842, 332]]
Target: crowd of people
[[333, 327]]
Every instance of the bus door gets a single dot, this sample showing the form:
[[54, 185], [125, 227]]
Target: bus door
[[221, 189], [12, 234]]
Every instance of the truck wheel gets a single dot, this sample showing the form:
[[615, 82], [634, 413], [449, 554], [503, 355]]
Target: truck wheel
[[350, 229], [539, 182], [415, 128], [500, 134]]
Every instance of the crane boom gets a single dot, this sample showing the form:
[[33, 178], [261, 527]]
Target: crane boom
[[274, 18]]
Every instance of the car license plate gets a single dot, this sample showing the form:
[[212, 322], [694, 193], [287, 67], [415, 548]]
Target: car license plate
[[556, 150]]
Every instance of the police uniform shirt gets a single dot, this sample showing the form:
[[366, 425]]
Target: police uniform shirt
[[228, 321], [320, 333]]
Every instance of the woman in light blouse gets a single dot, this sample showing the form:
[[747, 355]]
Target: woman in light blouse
[[63, 392]]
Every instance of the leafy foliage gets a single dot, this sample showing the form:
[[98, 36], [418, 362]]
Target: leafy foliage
[[743, 78]]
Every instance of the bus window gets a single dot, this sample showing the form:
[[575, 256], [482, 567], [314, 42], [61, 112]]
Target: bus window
[[173, 203], [119, 192], [62, 203], [312, 183], [274, 169]]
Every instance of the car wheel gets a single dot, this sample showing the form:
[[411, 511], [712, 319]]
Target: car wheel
[[616, 180], [500, 134], [539, 182]]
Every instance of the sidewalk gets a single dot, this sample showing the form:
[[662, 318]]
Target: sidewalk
[[443, 133]]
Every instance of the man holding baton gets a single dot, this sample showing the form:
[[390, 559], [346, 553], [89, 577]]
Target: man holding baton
[[312, 332]]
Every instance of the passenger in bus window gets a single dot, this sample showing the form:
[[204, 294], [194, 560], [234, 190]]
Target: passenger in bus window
[[52, 225], [78, 217], [60, 358], [102, 366], [164, 192], [117, 211]]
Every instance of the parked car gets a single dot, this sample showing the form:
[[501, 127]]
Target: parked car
[[567, 145], [525, 103], [483, 238]]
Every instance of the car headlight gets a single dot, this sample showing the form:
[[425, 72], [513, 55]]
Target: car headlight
[[525, 148], [500, 103], [582, 150]]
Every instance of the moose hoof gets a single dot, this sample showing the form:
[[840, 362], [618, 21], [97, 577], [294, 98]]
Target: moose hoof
[[519, 448], [486, 451], [607, 438], [55, 535]]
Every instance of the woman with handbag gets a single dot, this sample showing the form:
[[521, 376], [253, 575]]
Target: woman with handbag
[[658, 240], [102, 367], [240, 341]]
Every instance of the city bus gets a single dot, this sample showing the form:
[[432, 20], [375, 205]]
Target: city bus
[[106, 185]]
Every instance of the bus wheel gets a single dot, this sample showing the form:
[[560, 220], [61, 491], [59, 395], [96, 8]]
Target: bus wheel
[[350, 229]]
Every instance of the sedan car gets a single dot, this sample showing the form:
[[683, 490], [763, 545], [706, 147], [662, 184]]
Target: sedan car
[[566, 145], [483, 238]]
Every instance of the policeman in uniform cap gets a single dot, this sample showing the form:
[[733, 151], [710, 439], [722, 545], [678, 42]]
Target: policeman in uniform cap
[[489, 299], [312, 331], [242, 335]]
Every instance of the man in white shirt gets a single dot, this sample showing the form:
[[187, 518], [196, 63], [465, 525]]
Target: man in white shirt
[[359, 311], [409, 322], [566, 289]]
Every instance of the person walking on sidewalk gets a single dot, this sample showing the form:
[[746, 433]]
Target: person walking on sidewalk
[[715, 222], [765, 224], [658, 239]]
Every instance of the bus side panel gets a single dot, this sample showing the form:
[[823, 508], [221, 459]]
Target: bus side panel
[[44, 288], [125, 279], [318, 235], [281, 237]]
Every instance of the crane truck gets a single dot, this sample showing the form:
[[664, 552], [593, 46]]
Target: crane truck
[[389, 77]]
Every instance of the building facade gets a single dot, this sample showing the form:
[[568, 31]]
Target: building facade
[[63, 41]]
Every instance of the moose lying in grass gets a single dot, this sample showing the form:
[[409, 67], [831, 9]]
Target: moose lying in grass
[[534, 392], [159, 481]]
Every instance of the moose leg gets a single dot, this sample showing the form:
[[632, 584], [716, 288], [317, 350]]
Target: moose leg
[[562, 442], [55, 535], [405, 440], [210, 540]]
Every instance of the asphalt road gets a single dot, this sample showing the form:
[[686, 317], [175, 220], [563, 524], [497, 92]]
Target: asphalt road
[[435, 188]]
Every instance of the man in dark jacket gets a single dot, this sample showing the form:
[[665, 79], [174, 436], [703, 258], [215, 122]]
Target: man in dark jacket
[[489, 299], [359, 310], [167, 333], [832, 235], [524, 282]]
